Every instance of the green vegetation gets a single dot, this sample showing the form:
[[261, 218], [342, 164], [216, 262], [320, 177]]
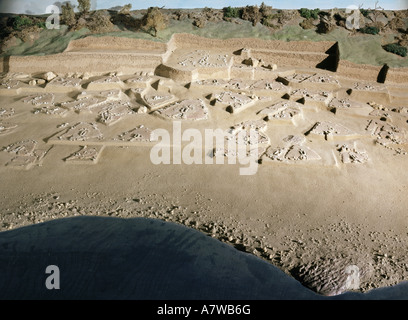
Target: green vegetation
[[365, 12], [370, 30], [353, 48], [41, 24], [396, 48], [49, 42], [232, 12], [20, 23], [309, 13]]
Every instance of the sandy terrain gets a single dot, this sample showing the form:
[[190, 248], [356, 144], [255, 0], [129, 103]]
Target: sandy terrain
[[329, 191]]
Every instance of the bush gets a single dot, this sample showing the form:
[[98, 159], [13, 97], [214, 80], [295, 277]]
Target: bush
[[125, 9], [207, 10], [265, 10], [397, 24], [270, 21], [84, 6], [154, 20], [326, 25], [315, 13], [252, 14], [212, 15], [338, 17], [99, 22], [68, 14], [305, 13], [200, 22], [21, 22], [365, 12], [396, 48], [370, 30], [232, 12], [179, 15], [41, 24], [307, 24], [308, 13]]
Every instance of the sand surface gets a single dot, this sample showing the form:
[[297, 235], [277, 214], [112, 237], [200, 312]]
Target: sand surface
[[329, 192]]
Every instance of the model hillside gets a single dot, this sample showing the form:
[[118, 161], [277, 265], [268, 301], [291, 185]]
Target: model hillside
[[250, 21]]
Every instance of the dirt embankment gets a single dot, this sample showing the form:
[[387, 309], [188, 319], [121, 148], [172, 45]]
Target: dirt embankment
[[184, 40], [106, 54], [116, 44]]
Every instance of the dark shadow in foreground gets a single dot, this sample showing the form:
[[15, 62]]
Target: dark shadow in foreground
[[142, 259]]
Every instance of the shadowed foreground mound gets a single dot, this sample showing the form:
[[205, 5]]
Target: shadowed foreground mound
[[109, 258]]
